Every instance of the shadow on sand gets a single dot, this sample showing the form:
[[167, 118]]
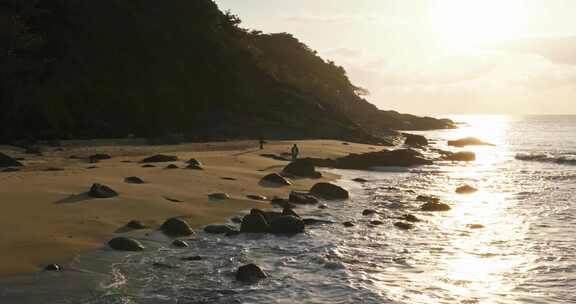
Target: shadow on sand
[[75, 198]]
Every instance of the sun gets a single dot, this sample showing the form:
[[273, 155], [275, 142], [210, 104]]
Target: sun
[[468, 23]]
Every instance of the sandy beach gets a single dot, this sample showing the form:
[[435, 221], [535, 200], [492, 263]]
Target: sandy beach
[[48, 218]]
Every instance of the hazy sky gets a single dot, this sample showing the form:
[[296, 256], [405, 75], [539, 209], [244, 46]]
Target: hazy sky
[[439, 56]]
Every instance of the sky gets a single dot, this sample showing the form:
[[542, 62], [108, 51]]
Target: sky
[[438, 56]]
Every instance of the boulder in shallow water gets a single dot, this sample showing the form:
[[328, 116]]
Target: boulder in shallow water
[[219, 196], [435, 207], [250, 273], [466, 189], [404, 226], [255, 222], [302, 168], [133, 180], [368, 212], [125, 244], [376, 223], [218, 229], [385, 158], [134, 224], [461, 156], [160, 158], [276, 179], [348, 224], [468, 141], [176, 227], [282, 203], [410, 218], [300, 198], [53, 267], [180, 244], [360, 180], [475, 226], [329, 191], [101, 191], [289, 211], [7, 161], [427, 199], [415, 140], [287, 224]]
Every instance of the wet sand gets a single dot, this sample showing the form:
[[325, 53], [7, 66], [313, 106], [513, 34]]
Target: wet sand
[[48, 218]]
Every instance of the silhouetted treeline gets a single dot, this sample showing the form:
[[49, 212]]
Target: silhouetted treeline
[[113, 68]]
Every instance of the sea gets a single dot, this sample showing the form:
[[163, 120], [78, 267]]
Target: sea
[[513, 241]]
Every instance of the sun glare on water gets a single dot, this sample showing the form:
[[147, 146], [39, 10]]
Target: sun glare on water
[[467, 23]]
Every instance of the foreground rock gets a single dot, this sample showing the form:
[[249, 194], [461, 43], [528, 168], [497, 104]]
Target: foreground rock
[[435, 207], [134, 224], [250, 273], [404, 226], [125, 244], [466, 189], [98, 157], [468, 141], [460, 156], [101, 191], [160, 158], [134, 180], [300, 198], [276, 179], [255, 222], [7, 161], [302, 168], [218, 196], [287, 224], [329, 191], [53, 267], [180, 244], [219, 229], [385, 158], [176, 227]]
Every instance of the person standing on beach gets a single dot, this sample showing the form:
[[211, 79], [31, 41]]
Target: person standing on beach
[[262, 142], [295, 152]]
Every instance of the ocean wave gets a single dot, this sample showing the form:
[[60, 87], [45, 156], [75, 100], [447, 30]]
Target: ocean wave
[[563, 159]]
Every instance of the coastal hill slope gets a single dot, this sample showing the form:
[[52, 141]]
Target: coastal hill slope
[[113, 68]]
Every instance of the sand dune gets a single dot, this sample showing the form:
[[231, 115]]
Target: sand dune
[[47, 217]]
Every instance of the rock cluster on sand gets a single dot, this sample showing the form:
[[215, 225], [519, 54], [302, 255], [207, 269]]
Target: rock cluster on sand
[[302, 168], [125, 244], [329, 191], [7, 161], [101, 191], [160, 158], [176, 227], [468, 141], [366, 161], [250, 273], [258, 221], [277, 179]]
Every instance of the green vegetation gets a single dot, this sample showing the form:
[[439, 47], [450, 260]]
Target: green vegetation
[[110, 68]]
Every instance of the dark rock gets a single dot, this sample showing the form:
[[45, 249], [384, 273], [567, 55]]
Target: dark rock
[[194, 167], [176, 227], [287, 224], [376, 223], [466, 189], [348, 224], [134, 180], [255, 222], [415, 140], [164, 266], [11, 170], [173, 200], [323, 206], [275, 157], [97, 157], [427, 199], [302, 168], [299, 198], [468, 141], [236, 220], [410, 218], [461, 156], [250, 274], [92, 167], [475, 226], [229, 178], [257, 197], [180, 244], [7, 161], [271, 215], [101, 191], [289, 211], [192, 258], [148, 166], [367, 212], [435, 206], [360, 180], [125, 244], [277, 179], [329, 191], [404, 226], [282, 203], [53, 169], [218, 196], [53, 267], [385, 158], [194, 161], [218, 229], [172, 166], [134, 224], [160, 158], [232, 233], [313, 221]]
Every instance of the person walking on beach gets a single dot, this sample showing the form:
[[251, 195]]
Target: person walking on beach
[[295, 152]]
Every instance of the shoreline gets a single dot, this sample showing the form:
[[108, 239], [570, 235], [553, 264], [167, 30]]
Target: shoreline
[[67, 224]]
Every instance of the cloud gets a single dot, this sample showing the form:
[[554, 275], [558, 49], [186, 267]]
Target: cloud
[[561, 50]]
